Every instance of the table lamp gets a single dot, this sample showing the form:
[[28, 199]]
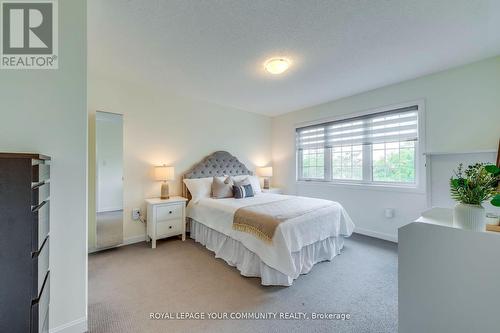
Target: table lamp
[[266, 173], [164, 173]]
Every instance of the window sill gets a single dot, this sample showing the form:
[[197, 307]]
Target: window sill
[[365, 186]]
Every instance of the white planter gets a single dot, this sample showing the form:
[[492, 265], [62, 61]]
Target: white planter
[[469, 217]]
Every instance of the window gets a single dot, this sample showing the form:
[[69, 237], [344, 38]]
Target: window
[[394, 162], [313, 166], [347, 162], [376, 148]]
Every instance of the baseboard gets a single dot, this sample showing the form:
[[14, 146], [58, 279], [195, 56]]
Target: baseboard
[[109, 209], [75, 326], [133, 240], [376, 234], [126, 241]]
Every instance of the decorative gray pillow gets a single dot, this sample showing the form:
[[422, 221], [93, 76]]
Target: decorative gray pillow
[[243, 191], [222, 188]]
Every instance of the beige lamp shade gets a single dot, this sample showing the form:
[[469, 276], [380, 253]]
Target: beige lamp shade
[[265, 172], [164, 173]]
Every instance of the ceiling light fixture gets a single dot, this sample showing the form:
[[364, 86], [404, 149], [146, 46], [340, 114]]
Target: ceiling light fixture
[[277, 66]]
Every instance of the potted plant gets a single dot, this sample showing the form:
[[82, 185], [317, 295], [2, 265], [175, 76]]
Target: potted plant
[[470, 188]]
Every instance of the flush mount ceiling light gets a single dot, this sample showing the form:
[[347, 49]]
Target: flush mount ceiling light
[[277, 66]]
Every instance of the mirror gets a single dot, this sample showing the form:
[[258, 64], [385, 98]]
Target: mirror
[[109, 179]]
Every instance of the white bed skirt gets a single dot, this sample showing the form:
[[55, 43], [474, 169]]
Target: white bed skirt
[[250, 265]]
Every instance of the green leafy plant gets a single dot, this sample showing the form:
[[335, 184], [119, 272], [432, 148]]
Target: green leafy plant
[[476, 184]]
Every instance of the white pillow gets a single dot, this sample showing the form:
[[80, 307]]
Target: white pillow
[[254, 181], [239, 178], [199, 188]]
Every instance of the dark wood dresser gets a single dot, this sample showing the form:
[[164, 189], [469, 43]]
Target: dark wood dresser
[[24, 242]]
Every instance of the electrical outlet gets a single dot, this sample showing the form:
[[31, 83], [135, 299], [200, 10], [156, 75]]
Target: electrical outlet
[[136, 213]]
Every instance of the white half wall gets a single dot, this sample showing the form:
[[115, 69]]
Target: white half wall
[[45, 111], [162, 128], [462, 108]]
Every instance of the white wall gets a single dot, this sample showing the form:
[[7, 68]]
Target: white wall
[[462, 115], [441, 168], [45, 111], [161, 128], [109, 154]]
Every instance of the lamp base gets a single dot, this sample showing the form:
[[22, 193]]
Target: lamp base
[[266, 184], [164, 191]]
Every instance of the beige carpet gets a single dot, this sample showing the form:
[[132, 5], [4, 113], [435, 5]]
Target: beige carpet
[[127, 283], [109, 229]]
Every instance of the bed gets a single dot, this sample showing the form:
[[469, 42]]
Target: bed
[[312, 232]]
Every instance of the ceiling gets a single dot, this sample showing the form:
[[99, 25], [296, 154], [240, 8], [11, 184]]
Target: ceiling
[[214, 50]]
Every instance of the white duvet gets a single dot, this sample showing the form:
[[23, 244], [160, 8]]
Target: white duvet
[[290, 236]]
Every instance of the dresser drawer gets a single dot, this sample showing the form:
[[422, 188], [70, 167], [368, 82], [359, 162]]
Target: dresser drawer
[[40, 193], [45, 327], [40, 268], [40, 172], [169, 228], [41, 225], [40, 308], [170, 212]]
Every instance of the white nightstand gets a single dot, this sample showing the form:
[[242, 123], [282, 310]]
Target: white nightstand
[[166, 218], [274, 190]]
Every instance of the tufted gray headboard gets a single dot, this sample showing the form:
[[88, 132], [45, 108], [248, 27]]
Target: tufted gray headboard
[[218, 164]]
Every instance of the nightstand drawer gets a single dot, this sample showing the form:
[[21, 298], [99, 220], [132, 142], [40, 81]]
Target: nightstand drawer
[[170, 212], [169, 228], [165, 218]]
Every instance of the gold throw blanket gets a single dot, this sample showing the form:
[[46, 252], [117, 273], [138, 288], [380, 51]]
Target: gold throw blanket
[[262, 220]]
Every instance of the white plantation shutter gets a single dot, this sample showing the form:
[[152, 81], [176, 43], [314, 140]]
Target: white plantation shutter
[[396, 125]]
